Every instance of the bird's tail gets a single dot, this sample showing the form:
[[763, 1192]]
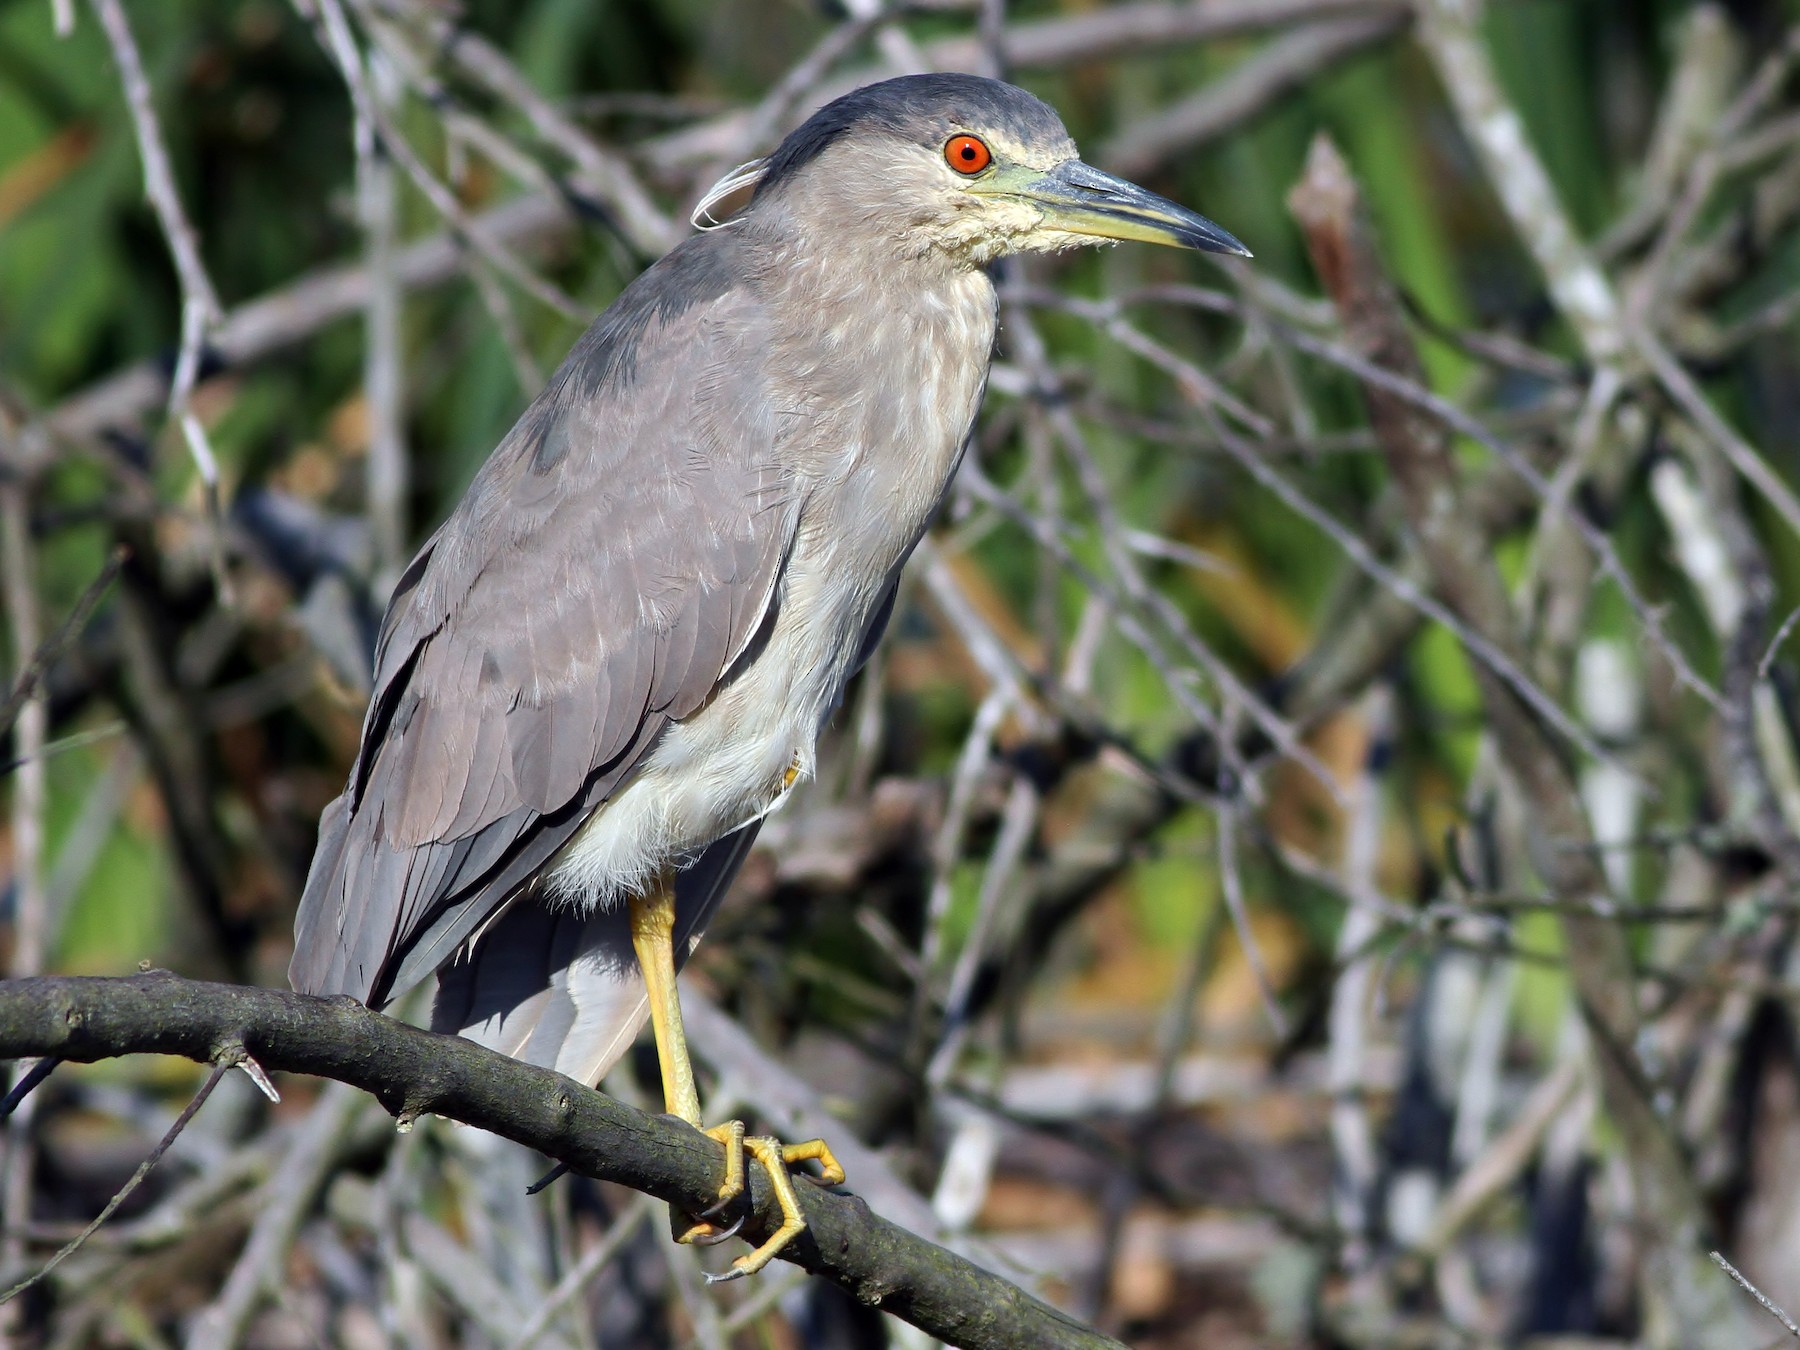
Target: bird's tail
[[551, 986]]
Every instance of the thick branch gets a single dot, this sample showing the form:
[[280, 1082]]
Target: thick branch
[[413, 1073]]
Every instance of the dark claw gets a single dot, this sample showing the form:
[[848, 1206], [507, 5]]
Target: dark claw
[[719, 1208], [723, 1235]]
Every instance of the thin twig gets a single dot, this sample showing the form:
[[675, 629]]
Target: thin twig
[[592, 1262], [159, 177], [29, 805], [124, 1192], [336, 37], [377, 200], [1769, 1305], [1762, 667], [1231, 883], [51, 650]]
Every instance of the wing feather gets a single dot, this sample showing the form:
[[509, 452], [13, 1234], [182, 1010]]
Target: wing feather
[[606, 566], [488, 790]]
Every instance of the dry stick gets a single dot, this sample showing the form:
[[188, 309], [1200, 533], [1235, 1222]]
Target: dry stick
[[1352, 1133], [947, 846], [1449, 32], [200, 307], [1720, 133], [899, 52], [1754, 742], [288, 1197], [998, 661], [159, 178], [1018, 827], [63, 744], [1328, 206], [773, 1291], [195, 320], [1175, 1028], [1048, 536], [1611, 565], [222, 1067], [471, 1286], [378, 201], [334, 34], [51, 650], [1108, 313], [1486, 652], [1773, 1308], [1680, 386], [398, 52], [689, 1278], [1254, 84], [1705, 70], [31, 922], [18, 591], [1232, 885], [292, 313], [1489, 1175], [648, 230], [575, 1280], [1762, 667], [763, 121], [414, 1073], [1148, 600], [526, 368]]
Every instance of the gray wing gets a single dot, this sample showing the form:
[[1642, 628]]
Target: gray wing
[[555, 987], [608, 564]]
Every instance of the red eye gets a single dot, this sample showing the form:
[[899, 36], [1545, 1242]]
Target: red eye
[[967, 154]]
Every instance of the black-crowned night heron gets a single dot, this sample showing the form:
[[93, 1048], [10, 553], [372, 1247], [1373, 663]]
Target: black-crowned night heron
[[614, 658]]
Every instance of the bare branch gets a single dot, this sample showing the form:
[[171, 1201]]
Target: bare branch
[[159, 178], [1257, 83], [219, 1070], [414, 1073]]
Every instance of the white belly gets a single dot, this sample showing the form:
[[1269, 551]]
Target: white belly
[[728, 764]]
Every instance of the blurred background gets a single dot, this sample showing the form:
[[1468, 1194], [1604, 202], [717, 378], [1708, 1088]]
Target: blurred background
[[1315, 861]]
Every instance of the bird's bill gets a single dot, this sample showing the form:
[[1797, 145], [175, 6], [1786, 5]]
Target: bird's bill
[[1080, 199]]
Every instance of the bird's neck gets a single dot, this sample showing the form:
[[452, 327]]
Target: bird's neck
[[872, 307]]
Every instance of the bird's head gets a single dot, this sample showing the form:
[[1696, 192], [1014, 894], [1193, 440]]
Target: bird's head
[[957, 166]]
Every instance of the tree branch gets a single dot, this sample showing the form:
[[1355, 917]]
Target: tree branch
[[414, 1073]]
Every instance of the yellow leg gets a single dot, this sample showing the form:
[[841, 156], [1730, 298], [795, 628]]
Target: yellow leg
[[653, 939]]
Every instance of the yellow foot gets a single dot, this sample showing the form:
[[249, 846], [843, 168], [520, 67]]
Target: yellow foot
[[776, 1159], [700, 1229]]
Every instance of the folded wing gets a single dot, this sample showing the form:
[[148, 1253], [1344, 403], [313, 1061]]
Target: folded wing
[[610, 561]]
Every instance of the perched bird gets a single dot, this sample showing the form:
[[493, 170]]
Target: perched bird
[[616, 655]]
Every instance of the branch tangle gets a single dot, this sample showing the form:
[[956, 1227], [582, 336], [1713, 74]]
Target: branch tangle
[[1417, 452]]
